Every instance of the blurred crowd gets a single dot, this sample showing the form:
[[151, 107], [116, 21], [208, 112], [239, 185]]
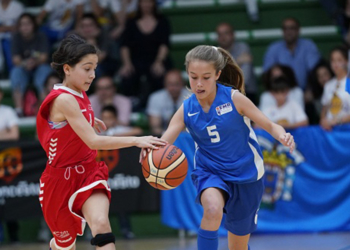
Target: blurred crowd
[[135, 73]]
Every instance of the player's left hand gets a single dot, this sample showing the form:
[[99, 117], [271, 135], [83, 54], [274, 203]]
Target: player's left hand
[[99, 125], [288, 140]]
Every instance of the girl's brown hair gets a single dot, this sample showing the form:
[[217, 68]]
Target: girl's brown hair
[[231, 73]]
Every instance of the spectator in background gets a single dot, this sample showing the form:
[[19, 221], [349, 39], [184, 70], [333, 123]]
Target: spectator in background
[[241, 53], [62, 14], [10, 10], [97, 7], [335, 100], [8, 122], [105, 94], [252, 10], [144, 53], [89, 28], [9, 131], [317, 80], [295, 93], [338, 14], [287, 113], [50, 81], [298, 53], [163, 104], [30, 50], [109, 116], [121, 10], [114, 128]]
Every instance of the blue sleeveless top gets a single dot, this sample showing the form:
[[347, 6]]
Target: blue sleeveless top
[[226, 144]]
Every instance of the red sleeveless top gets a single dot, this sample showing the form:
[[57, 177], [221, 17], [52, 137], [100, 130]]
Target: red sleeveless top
[[63, 146]]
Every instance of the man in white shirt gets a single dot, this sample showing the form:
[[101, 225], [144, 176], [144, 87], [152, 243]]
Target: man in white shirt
[[163, 103], [8, 122]]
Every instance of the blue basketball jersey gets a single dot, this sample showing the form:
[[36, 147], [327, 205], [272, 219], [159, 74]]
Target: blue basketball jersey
[[226, 144]]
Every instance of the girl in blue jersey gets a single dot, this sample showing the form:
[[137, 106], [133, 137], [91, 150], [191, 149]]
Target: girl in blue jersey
[[228, 161]]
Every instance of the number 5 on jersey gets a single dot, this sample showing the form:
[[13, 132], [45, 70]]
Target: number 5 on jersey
[[212, 132]]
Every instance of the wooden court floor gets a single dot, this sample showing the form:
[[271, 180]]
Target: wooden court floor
[[324, 241]]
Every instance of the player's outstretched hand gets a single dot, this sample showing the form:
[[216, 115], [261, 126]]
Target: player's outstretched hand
[[99, 125], [288, 141], [147, 143]]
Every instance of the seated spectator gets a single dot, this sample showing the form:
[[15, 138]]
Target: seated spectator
[[30, 51], [109, 115], [241, 53], [105, 94], [252, 10], [287, 113], [335, 100], [318, 78], [50, 81], [9, 131], [163, 104], [295, 93], [8, 122], [89, 28], [62, 14], [96, 7], [298, 53], [121, 10], [144, 53], [10, 10]]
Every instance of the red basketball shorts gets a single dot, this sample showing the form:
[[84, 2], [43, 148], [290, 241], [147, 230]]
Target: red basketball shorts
[[63, 192]]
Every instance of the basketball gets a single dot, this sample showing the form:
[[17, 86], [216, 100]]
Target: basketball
[[165, 168]]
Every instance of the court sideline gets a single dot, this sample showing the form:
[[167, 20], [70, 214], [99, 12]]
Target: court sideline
[[324, 241]]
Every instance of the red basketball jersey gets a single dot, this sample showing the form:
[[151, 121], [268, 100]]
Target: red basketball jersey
[[63, 146]]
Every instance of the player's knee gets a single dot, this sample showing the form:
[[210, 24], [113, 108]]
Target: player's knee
[[103, 239], [213, 212], [100, 224]]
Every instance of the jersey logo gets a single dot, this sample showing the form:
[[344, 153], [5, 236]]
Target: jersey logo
[[189, 114], [224, 108]]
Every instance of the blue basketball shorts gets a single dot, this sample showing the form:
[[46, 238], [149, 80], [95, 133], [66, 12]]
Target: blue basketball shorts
[[242, 200]]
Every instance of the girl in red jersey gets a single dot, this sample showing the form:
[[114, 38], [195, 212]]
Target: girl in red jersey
[[73, 187]]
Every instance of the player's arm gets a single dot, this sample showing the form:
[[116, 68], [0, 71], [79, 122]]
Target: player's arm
[[175, 127], [246, 108], [66, 106]]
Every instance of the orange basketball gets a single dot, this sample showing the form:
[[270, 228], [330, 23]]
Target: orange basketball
[[165, 168]]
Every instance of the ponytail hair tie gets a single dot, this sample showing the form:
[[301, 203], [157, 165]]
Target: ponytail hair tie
[[216, 48]]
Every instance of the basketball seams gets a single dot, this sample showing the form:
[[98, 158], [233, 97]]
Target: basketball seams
[[167, 163], [160, 162], [175, 169], [175, 157], [165, 171]]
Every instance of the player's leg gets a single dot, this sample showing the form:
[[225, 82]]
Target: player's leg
[[95, 211], [213, 202], [242, 213], [237, 242]]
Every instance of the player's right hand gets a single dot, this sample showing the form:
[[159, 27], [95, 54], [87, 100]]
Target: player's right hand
[[149, 142]]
